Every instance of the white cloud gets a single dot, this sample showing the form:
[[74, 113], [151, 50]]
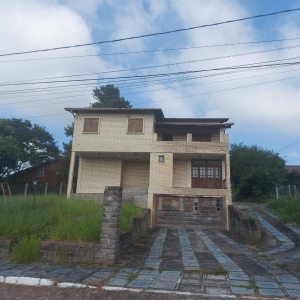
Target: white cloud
[[266, 113]]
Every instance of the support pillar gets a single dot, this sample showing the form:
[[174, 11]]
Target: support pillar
[[71, 174]]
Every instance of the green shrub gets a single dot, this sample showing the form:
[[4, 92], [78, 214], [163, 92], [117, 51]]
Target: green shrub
[[27, 251]]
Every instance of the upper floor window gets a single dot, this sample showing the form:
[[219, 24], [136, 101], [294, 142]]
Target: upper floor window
[[201, 137], [135, 125], [41, 172], [91, 125]]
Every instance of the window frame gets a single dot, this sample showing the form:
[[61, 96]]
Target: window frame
[[135, 132], [41, 172], [91, 132]]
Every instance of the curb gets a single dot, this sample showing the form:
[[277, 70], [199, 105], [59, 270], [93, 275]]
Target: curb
[[31, 281]]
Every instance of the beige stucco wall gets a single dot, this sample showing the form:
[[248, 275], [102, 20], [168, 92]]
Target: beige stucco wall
[[161, 173], [181, 173], [135, 176], [94, 174], [113, 135]]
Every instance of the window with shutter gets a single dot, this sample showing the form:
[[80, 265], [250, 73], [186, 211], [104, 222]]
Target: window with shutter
[[91, 125], [135, 125]]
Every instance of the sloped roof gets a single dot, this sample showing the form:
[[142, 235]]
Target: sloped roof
[[290, 168], [161, 120], [156, 111]]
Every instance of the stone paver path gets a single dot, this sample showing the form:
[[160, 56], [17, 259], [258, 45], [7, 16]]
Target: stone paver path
[[189, 259], [239, 281], [271, 285], [290, 226], [286, 243], [154, 258]]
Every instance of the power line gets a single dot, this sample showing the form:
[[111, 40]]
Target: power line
[[163, 65], [150, 51], [199, 94], [246, 66], [154, 34], [139, 84], [146, 91], [288, 145], [223, 90]]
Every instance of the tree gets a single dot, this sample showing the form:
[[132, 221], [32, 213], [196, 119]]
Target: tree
[[23, 145], [107, 96], [63, 164], [255, 171]]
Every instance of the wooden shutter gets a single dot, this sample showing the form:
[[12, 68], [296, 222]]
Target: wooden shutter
[[201, 138], [91, 125], [135, 125]]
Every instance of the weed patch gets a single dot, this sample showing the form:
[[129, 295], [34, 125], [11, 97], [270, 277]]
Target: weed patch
[[252, 238], [56, 218], [27, 251]]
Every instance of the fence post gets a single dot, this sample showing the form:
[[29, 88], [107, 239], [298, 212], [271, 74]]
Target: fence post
[[26, 187], [60, 188], [46, 188], [276, 189], [295, 191], [289, 190]]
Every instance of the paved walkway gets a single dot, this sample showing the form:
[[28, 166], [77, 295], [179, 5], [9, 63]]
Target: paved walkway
[[207, 262]]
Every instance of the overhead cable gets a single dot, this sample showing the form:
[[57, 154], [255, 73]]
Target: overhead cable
[[154, 34]]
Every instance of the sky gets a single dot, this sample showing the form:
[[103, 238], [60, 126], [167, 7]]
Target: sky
[[264, 103]]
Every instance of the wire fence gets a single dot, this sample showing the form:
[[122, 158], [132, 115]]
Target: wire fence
[[26, 189], [292, 191]]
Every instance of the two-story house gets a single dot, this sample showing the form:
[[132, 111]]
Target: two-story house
[[177, 167]]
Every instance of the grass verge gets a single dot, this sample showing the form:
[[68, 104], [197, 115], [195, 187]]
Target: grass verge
[[56, 218], [288, 210]]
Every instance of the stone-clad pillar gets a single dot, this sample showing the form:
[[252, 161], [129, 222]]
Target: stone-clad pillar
[[109, 239]]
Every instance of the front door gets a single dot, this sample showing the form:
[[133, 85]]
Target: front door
[[207, 174]]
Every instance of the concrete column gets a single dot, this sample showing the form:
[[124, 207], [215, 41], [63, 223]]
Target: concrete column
[[71, 173], [110, 234], [228, 183]]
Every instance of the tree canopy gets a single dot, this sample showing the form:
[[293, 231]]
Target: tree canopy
[[23, 145], [108, 96], [255, 171]]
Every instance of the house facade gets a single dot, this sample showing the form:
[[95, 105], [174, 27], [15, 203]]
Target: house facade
[[177, 167], [41, 173]]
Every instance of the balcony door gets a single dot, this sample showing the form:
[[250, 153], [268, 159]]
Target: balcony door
[[207, 174]]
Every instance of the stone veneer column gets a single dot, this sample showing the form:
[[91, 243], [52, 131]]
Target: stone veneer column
[[109, 238]]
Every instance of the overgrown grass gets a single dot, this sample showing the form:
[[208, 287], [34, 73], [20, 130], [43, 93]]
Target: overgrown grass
[[56, 218], [288, 210], [27, 250]]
